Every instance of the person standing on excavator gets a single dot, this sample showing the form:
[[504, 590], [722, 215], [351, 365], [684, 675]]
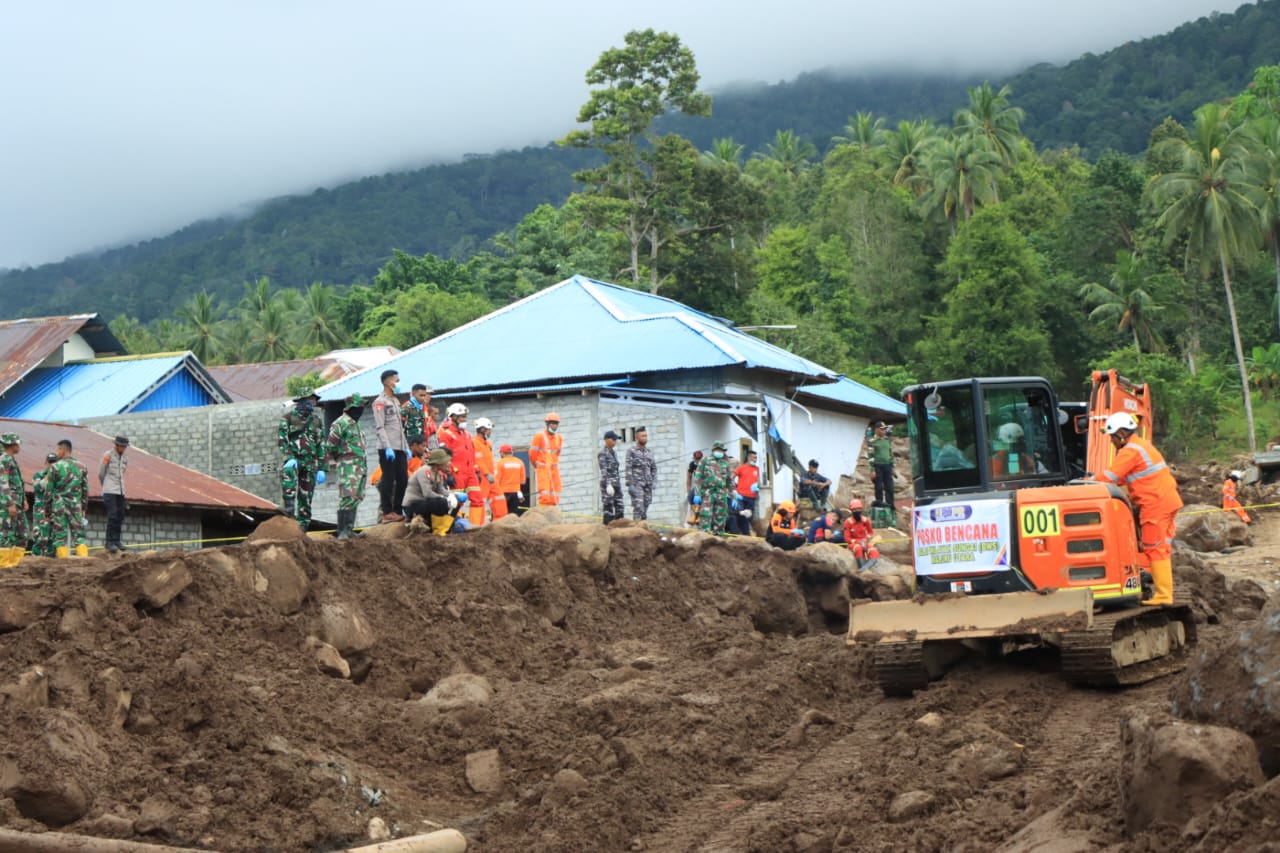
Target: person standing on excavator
[[1152, 489]]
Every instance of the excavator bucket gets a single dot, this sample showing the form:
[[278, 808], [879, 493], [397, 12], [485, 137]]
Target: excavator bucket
[[961, 616]]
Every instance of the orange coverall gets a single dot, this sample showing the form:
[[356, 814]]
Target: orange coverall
[[1231, 503], [487, 465], [1153, 491], [544, 453]]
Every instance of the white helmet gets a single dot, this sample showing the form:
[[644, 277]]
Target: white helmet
[[1236, 475], [1119, 421], [484, 423], [455, 409], [1009, 433]]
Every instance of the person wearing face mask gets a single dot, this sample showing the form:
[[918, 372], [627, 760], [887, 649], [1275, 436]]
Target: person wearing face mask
[[544, 453], [713, 486], [857, 534], [393, 450], [300, 438], [346, 449], [415, 415], [642, 475], [454, 437]]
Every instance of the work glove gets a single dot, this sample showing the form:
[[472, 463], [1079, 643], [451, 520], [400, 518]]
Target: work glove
[[608, 490], [697, 500], [735, 504], [490, 476], [519, 496], [755, 488], [452, 501], [321, 476], [290, 464], [746, 513], [388, 454]]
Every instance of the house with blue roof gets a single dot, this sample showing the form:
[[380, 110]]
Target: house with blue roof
[[607, 357], [96, 387]]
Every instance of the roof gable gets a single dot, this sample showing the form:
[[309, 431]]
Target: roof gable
[[25, 344]]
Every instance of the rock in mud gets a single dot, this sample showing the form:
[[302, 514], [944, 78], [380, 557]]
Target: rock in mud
[[279, 528], [911, 804], [484, 771], [327, 659], [151, 584], [1171, 771], [825, 559], [459, 692], [1208, 528], [564, 787], [344, 626], [278, 578], [582, 545]]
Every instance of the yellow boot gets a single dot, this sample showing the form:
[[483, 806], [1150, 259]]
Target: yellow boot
[[62, 551], [1162, 580], [16, 555], [82, 550], [441, 524], [8, 559]]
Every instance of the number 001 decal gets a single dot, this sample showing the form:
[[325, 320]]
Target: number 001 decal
[[1039, 520]]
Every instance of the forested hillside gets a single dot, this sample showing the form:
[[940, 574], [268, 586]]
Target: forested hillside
[[346, 234]]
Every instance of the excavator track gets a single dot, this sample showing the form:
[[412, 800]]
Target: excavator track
[[1129, 646], [899, 668]]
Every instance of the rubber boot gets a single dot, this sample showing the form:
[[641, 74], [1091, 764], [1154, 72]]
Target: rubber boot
[[291, 507], [15, 555], [82, 550], [475, 515], [441, 524], [7, 558], [1162, 579], [344, 519], [62, 551]]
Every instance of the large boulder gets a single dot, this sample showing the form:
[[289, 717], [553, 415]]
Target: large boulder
[[277, 577], [826, 559], [582, 545], [461, 692], [344, 626], [538, 517], [1237, 684], [278, 528], [149, 583], [1171, 771], [1208, 528]]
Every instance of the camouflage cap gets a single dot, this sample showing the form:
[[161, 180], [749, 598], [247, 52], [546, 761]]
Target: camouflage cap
[[10, 438], [354, 401]]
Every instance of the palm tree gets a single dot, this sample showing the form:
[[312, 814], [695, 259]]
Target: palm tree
[[789, 152], [271, 333], [201, 316], [864, 130], [724, 152], [1263, 139], [257, 295], [961, 174], [1209, 201], [989, 117], [904, 150], [1125, 303], [318, 318]]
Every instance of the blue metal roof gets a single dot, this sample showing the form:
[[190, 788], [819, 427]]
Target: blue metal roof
[[461, 394], [577, 328], [845, 390], [108, 387]]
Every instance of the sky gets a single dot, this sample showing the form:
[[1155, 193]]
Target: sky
[[127, 120]]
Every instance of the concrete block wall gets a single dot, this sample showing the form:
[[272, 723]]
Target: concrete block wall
[[149, 527], [666, 440]]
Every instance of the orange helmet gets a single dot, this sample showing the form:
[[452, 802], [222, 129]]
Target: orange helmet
[[787, 506], [855, 504], [552, 416]]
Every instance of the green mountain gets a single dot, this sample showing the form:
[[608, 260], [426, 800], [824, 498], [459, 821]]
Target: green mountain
[[346, 234]]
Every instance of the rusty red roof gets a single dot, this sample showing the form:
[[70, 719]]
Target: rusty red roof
[[149, 479], [266, 381], [25, 344]]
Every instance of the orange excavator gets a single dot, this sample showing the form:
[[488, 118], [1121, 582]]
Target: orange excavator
[[1013, 547]]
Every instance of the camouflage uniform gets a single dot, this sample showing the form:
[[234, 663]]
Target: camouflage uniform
[[13, 527], [714, 482], [612, 503], [41, 531], [416, 422], [68, 497], [642, 476], [346, 448], [300, 437]]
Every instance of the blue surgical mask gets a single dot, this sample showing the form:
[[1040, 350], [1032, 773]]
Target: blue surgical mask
[[719, 454], [395, 389]]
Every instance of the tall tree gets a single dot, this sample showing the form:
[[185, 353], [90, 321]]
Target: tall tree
[[905, 148], [960, 174], [990, 118], [1126, 304], [1263, 135], [321, 330], [864, 130], [724, 152], [1209, 201], [789, 152], [201, 316], [652, 74]]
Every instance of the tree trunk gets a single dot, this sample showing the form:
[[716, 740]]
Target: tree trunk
[[1235, 336], [1275, 251]]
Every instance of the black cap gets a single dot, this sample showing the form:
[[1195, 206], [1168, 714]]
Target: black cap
[[612, 434], [878, 425], [122, 440]]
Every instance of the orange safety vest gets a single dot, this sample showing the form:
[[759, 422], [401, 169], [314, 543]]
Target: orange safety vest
[[1231, 501], [510, 475], [786, 526], [544, 453], [484, 461], [1140, 466]]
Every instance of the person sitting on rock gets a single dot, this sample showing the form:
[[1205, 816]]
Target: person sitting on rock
[[826, 528], [857, 534], [784, 530]]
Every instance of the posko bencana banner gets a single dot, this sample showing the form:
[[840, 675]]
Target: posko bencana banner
[[973, 536]]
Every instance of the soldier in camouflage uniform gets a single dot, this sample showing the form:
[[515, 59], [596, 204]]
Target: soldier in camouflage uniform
[[713, 483], [41, 507], [610, 479], [346, 449], [300, 438], [13, 496], [415, 414], [68, 496], [642, 475]]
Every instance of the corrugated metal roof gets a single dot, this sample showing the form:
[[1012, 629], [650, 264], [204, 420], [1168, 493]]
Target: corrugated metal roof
[[856, 394], [150, 479], [108, 387], [266, 381], [578, 328], [24, 344]]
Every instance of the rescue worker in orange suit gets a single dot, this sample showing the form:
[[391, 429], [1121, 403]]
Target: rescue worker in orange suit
[[858, 532], [487, 463], [544, 453], [1230, 501], [1152, 489], [511, 479], [453, 436], [785, 531]]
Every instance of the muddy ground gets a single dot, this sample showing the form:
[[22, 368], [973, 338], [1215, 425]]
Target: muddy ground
[[636, 692]]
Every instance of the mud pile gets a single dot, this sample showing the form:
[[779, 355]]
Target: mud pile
[[540, 687]]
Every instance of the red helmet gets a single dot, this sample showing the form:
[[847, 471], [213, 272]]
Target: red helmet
[[855, 504], [506, 448]]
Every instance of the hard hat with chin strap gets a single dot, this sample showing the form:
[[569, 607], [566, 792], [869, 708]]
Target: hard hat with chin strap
[[1009, 433], [484, 423], [455, 409], [1119, 421], [855, 504], [551, 417]]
